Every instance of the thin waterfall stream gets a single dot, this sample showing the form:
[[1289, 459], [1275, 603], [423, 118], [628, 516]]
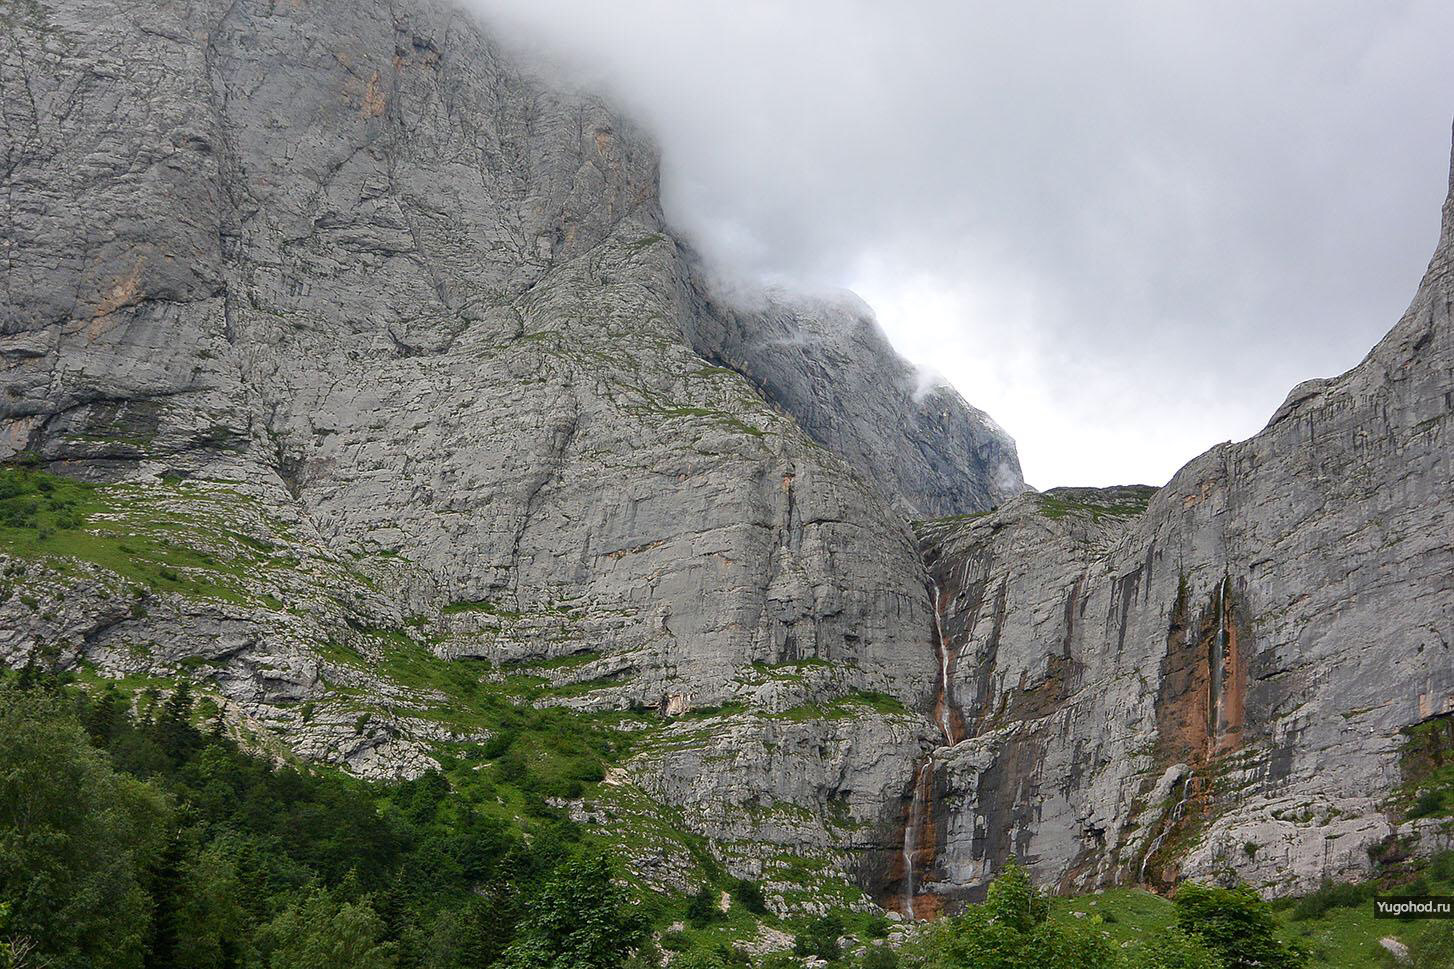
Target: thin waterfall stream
[[911, 832], [1214, 667], [1167, 824], [942, 701], [919, 823]]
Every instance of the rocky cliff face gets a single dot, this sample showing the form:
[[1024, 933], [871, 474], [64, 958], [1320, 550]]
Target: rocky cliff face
[[1213, 676], [826, 362], [389, 371], [378, 343], [350, 261]]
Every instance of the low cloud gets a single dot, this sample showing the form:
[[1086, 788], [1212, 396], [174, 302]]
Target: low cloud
[[1125, 230]]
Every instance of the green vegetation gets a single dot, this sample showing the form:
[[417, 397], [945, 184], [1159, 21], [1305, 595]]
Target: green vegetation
[[819, 938], [1237, 925], [1014, 929], [78, 839], [748, 894], [132, 834], [223, 807], [132, 840], [1334, 924], [1127, 502], [654, 405], [35, 501], [579, 917], [517, 754], [129, 836], [1427, 763], [128, 531], [645, 242], [534, 752], [1200, 927]]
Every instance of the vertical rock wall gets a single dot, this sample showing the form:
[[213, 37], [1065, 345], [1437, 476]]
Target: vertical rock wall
[[1213, 676]]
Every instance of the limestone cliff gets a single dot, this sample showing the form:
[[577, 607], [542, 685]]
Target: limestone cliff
[[826, 362], [394, 384], [378, 346], [1214, 675]]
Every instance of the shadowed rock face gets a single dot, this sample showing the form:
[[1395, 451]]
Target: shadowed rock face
[[1230, 666], [826, 362], [338, 296]]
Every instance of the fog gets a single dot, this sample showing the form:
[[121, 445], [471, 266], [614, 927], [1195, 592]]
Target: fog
[[1124, 229]]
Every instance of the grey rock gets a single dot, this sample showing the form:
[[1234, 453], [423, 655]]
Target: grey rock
[[825, 361], [386, 341], [1274, 617], [389, 335], [351, 262]]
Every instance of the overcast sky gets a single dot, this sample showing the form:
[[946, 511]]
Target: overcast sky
[[1123, 229]]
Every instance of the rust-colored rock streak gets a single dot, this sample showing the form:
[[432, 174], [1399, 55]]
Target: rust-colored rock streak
[[1200, 707], [920, 848], [921, 834], [1200, 711]]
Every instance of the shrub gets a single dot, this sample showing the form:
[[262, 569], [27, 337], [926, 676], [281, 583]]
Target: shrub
[[702, 910], [579, 918], [820, 938], [498, 743], [748, 894], [877, 928], [1014, 901], [880, 957], [1237, 925], [512, 768], [1430, 802], [1328, 896], [1441, 866], [1417, 886]]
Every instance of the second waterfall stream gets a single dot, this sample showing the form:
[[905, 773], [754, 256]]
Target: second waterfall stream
[[919, 834]]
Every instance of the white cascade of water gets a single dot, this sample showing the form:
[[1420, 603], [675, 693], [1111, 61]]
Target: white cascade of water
[[1167, 823], [1214, 671], [917, 808], [946, 723]]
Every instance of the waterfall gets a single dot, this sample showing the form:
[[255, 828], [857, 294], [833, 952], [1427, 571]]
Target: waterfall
[[1214, 670], [946, 720], [919, 821], [918, 810], [1167, 824]]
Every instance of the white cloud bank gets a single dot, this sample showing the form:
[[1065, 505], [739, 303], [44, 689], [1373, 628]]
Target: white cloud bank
[[1124, 229]]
